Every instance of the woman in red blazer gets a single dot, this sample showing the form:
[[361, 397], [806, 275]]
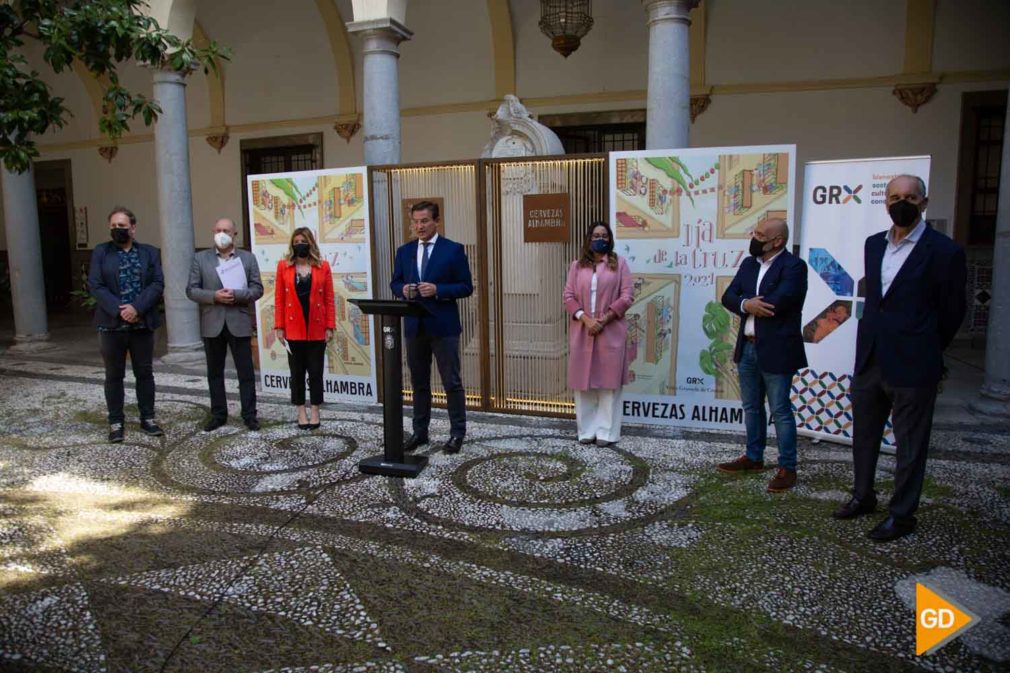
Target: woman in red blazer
[[304, 318]]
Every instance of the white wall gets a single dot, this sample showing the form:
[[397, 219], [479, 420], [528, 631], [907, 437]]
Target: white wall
[[789, 40], [846, 124], [971, 35], [282, 66]]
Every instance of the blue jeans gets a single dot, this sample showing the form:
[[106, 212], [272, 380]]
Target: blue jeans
[[754, 386]]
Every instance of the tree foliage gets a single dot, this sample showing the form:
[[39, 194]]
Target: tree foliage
[[101, 35]]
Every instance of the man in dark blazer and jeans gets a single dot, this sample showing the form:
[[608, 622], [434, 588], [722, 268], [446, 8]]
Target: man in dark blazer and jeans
[[915, 302], [434, 271], [125, 279], [768, 294]]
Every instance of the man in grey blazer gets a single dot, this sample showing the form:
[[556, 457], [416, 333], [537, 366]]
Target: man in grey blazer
[[226, 319]]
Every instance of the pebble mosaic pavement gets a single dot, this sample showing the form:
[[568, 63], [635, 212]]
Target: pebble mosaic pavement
[[525, 552]]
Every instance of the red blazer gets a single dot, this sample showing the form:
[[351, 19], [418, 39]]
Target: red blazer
[[288, 309]]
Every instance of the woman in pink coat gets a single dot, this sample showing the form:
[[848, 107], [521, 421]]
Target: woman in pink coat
[[597, 294]]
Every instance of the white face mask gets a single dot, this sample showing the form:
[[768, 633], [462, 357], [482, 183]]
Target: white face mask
[[222, 240]]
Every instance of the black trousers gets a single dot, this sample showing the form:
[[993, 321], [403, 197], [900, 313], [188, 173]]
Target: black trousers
[[216, 349], [114, 346], [912, 409], [446, 351], [306, 358]]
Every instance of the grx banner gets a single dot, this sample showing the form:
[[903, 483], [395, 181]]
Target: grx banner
[[843, 203]]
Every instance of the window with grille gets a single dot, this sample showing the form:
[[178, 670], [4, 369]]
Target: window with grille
[[590, 139], [985, 182]]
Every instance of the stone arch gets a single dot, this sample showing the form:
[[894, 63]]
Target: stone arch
[[94, 86], [215, 81], [336, 33], [176, 16], [503, 45]]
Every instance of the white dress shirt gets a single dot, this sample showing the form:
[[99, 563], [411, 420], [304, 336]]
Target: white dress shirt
[[592, 299], [420, 253], [748, 327], [896, 254]]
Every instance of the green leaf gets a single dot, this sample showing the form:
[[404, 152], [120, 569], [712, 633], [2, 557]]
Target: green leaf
[[101, 35], [676, 170], [289, 188], [716, 320], [706, 363], [709, 325], [722, 352]]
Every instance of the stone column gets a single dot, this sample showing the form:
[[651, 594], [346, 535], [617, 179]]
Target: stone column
[[24, 258], [381, 39], [994, 395], [175, 210], [668, 116]]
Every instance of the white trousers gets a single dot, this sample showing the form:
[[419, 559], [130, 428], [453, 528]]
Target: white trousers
[[598, 414]]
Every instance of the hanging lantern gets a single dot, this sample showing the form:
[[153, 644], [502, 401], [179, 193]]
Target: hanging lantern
[[566, 22]]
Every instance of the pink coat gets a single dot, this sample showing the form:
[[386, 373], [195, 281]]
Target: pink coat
[[599, 362]]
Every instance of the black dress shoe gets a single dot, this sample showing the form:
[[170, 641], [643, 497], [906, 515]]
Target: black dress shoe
[[855, 507], [453, 445], [252, 423], [214, 423], [891, 529], [151, 428], [116, 433], [414, 442]]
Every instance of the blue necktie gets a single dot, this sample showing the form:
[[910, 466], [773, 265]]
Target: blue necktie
[[424, 260]]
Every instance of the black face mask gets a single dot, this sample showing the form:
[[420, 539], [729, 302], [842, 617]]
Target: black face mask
[[301, 249], [120, 236], [903, 213], [757, 248], [599, 245]]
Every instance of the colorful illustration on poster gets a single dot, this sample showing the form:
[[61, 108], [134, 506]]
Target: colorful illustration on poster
[[351, 348], [341, 198], [751, 185], [332, 204], [683, 222], [652, 322]]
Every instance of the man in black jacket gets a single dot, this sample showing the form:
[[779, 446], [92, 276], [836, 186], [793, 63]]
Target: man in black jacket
[[915, 302], [125, 279]]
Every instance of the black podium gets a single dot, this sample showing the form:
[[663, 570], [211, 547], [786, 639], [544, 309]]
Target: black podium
[[393, 462]]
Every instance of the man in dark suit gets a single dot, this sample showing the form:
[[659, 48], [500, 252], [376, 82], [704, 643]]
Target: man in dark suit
[[125, 279], [915, 302], [434, 271], [768, 293], [226, 320]]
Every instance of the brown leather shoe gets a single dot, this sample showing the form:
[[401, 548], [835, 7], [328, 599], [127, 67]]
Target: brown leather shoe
[[742, 464], [782, 481]]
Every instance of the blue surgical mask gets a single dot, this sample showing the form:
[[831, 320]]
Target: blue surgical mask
[[599, 245]]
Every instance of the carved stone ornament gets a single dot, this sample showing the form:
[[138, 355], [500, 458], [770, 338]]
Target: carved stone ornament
[[346, 130], [915, 95], [517, 134], [108, 152], [699, 104], [218, 141]]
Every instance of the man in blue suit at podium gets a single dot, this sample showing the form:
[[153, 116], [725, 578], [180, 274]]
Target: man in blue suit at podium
[[434, 271]]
